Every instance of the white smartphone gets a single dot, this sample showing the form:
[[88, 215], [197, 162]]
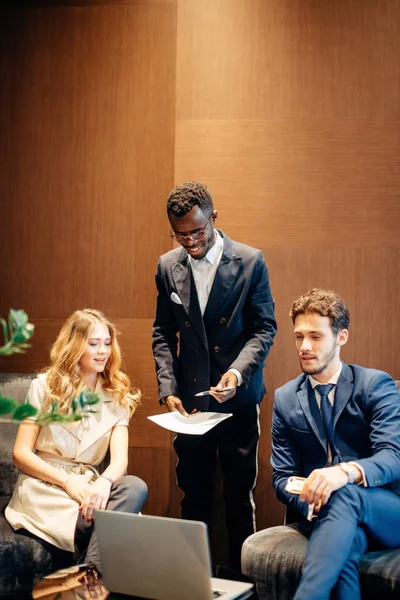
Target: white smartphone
[[295, 484]]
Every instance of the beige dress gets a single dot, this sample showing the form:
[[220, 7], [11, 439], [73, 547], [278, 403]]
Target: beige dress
[[47, 510]]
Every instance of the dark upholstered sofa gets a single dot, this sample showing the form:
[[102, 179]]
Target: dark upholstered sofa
[[23, 561], [273, 558]]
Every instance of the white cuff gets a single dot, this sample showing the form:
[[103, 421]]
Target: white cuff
[[238, 375]]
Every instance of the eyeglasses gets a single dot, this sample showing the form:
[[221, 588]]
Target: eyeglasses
[[195, 235]]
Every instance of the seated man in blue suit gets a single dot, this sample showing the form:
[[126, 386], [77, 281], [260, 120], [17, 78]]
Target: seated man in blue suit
[[338, 426]]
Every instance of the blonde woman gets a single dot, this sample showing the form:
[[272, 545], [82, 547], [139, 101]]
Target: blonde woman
[[58, 488]]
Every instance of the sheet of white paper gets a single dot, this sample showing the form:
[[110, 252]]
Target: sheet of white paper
[[196, 424]]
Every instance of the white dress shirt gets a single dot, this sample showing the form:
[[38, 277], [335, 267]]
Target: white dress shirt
[[204, 271], [331, 395]]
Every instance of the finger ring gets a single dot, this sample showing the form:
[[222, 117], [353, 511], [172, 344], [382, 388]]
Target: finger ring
[[91, 502]]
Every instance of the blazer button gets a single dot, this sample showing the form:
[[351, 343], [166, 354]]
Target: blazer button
[[217, 348], [187, 324], [194, 379], [222, 320], [197, 350]]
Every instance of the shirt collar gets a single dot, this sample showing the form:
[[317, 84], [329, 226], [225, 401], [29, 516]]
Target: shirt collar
[[213, 253], [333, 379]]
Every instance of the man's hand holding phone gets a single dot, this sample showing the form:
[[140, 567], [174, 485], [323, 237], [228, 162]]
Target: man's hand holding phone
[[294, 484]]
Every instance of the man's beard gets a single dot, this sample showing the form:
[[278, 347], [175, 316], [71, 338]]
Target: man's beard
[[325, 360]]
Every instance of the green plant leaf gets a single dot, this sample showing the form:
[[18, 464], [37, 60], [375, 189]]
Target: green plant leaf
[[75, 417], [19, 336], [92, 398], [18, 318], [7, 405], [5, 330], [16, 333], [24, 411], [83, 399], [6, 350], [49, 419], [17, 350]]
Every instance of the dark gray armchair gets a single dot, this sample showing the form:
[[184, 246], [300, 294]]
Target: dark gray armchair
[[273, 558], [23, 561]]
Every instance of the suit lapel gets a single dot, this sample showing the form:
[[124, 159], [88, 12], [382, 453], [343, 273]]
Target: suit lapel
[[310, 408], [186, 289], [343, 393], [182, 278], [225, 277]]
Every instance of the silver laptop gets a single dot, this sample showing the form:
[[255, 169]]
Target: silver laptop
[[160, 558]]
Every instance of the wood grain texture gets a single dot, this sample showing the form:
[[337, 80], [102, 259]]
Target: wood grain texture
[[86, 156], [86, 3], [153, 466], [298, 182], [255, 59], [290, 113], [139, 363]]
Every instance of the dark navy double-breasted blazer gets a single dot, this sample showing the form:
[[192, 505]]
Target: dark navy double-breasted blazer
[[236, 330]]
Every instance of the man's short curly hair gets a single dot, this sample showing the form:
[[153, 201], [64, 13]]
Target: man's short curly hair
[[327, 304], [187, 195]]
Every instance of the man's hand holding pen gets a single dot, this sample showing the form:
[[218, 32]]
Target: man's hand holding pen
[[226, 387], [223, 391]]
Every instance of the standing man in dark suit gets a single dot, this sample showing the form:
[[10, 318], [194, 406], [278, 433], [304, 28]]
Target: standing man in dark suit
[[338, 426], [215, 293]]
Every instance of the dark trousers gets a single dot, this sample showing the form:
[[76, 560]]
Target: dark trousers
[[128, 494], [353, 516], [235, 442]]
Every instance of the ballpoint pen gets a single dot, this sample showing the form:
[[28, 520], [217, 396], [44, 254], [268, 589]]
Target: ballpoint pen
[[206, 392]]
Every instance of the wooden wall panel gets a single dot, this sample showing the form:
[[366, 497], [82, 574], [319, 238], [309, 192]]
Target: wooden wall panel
[[254, 59], [87, 127], [289, 111], [86, 156], [290, 182], [153, 466]]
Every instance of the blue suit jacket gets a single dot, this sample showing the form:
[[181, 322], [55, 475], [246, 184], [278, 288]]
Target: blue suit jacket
[[236, 330], [366, 430]]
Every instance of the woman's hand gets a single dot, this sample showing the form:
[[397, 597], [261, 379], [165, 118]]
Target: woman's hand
[[77, 486], [96, 498]]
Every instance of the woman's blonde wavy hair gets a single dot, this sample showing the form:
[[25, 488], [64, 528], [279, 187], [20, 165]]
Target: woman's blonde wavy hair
[[64, 380]]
